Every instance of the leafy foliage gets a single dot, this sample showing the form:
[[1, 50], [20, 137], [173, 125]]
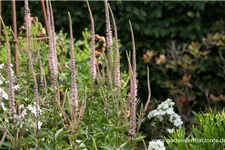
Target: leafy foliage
[[192, 73], [105, 122], [206, 134]]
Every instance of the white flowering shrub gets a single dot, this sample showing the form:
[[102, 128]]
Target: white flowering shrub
[[163, 120], [156, 145], [165, 114], [27, 117], [28, 112]]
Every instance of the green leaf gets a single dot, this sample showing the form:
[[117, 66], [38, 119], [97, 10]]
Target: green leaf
[[94, 144], [48, 147], [191, 14], [158, 13], [58, 133], [7, 144]]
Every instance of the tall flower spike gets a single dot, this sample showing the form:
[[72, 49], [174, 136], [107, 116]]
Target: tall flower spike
[[82, 109], [52, 51], [108, 27], [131, 100], [109, 66], [10, 74], [53, 37], [29, 38], [117, 54], [133, 92], [49, 30], [73, 92], [108, 31], [140, 119], [27, 20], [92, 60]]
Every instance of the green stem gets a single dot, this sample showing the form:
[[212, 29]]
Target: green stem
[[144, 142]]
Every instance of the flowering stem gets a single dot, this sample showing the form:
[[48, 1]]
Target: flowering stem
[[73, 93], [117, 56], [92, 60], [10, 74], [146, 104], [30, 44], [108, 33], [133, 89]]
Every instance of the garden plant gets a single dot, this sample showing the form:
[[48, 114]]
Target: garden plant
[[70, 93]]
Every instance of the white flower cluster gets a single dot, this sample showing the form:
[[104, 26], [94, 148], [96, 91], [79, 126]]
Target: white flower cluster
[[3, 94], [1, 66], [33, 110], [156, 145], [2, 79], [81, 144], [166, 108], [170, 130]]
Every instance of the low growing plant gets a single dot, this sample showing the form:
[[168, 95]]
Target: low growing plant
[[206, 134]]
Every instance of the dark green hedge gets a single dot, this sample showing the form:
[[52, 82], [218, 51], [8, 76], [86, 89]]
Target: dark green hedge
[[153, 22]]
